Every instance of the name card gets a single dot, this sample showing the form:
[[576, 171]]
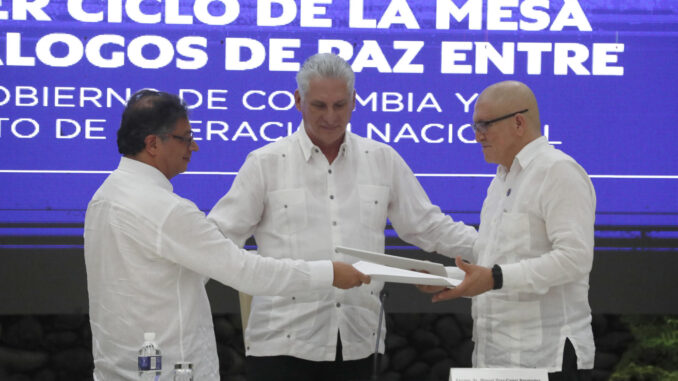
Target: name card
[[498, 374]]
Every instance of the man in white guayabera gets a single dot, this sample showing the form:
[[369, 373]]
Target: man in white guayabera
[[301, 196], [529, 271], [149, 252]]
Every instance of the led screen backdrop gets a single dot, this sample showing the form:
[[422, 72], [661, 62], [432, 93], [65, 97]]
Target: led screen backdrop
[[603, 71]]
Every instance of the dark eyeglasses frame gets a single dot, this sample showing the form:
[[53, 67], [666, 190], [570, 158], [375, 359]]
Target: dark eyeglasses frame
[[482, 127], [188, 140]]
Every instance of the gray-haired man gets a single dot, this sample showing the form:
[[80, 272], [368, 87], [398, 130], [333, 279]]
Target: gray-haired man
[[301, 196]]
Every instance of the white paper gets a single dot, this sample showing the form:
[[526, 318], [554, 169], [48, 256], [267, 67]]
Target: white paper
[[397, 262], [392, 274]]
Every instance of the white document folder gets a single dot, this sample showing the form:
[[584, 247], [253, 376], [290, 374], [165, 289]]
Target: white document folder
[[391, 268], [392, 274], [394, 261]]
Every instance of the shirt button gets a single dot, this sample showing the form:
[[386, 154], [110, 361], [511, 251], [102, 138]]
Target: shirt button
[[288, 336], [283, 155], [331, 197], [329, 171], [338, 305], [376, 202], [334, 223], [508, 192], [316, 150], [294, 298], [285, 205]]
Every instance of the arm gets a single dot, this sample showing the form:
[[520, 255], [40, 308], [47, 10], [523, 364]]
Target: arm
[[238, 213], [193, 242], [236, 216], [421, 223], [567, 203]]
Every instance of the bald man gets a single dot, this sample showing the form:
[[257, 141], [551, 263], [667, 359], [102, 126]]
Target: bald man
[[529, 271]]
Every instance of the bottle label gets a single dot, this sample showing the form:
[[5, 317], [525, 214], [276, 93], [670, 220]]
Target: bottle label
[[150, 363]]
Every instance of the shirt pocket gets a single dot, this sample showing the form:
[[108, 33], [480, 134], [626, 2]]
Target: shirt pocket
[[516, 325], [295, 315], [288, 210], [373, 206], [514, 233]]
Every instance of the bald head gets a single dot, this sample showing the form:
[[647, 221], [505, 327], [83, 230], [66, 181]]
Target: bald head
[[506, 119], [511, 96]]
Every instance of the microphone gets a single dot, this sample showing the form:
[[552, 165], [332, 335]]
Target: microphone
[[375, 364]]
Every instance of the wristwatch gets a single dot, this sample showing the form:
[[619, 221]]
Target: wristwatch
[[497, 277]]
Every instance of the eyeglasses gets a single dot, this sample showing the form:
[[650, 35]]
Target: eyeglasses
[[188, 140], [482, 127]]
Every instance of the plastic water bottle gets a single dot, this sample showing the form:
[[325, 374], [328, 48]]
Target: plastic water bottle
[[183, 371], [150, 359]]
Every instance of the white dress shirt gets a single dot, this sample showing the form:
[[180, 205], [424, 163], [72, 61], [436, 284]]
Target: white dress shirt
[[298, 205], [537, 224], [148, 254]]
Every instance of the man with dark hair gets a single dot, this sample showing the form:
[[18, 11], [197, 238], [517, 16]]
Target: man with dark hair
[[149, 252], [148, 112]]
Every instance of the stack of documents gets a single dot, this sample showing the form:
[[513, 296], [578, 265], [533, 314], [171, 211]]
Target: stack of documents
[[391, 268]]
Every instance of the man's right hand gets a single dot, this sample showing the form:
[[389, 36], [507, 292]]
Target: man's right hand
[[346, 276]]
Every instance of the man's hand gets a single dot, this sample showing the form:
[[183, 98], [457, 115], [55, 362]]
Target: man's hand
[[478, 279], [346, 276]]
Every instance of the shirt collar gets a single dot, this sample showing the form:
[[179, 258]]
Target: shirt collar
[[525, 156], [307, 145], [145, 171]]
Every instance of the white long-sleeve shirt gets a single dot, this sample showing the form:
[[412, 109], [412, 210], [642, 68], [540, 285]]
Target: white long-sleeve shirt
[[148, 254], [299, 206], [537, 224]]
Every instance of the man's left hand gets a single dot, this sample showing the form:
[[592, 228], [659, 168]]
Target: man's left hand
[[478, 279]]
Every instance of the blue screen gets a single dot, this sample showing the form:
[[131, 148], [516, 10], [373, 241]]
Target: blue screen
[[603, 73]]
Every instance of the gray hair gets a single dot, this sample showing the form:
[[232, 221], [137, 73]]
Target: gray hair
[[324, 65]]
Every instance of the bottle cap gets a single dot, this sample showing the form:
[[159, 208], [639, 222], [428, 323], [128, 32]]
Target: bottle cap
[[149, 336], [183, 365]]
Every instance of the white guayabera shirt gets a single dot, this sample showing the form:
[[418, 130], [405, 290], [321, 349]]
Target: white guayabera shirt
[[299, 206], [537, 224], [148, 254]]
